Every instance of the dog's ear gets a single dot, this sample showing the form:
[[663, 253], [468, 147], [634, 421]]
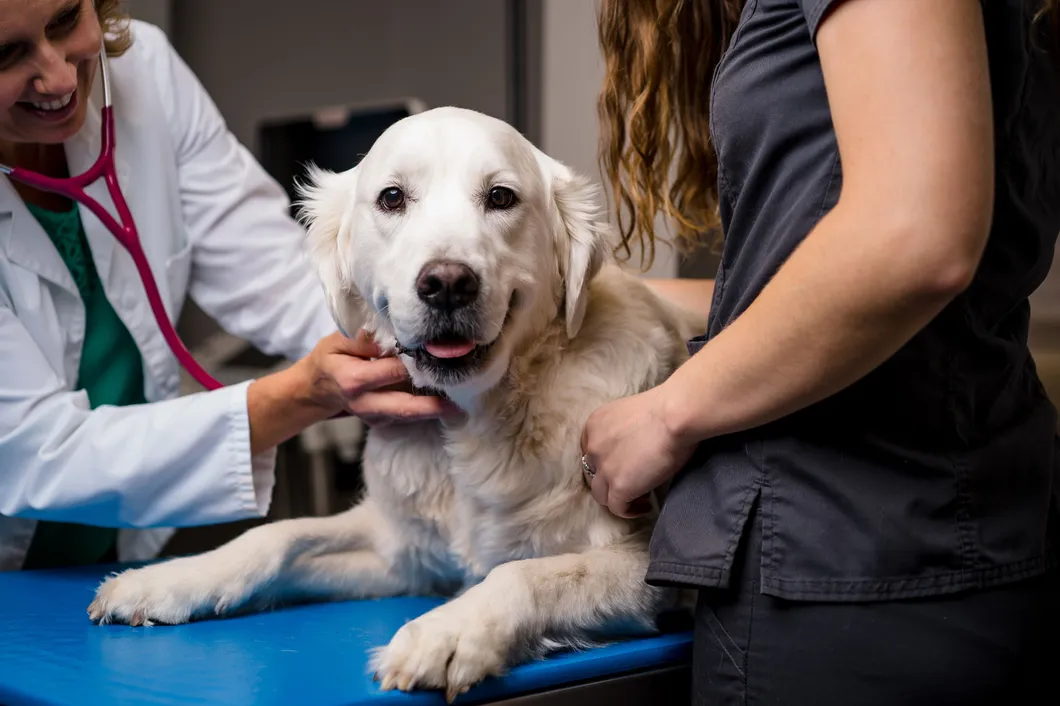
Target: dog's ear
[[580, 230], [326, 199]]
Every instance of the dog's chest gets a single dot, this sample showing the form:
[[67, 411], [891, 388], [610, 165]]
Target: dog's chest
[[469, 490], [482, 539], [504, 501]]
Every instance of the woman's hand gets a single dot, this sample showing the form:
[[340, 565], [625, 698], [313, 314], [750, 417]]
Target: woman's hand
[[349, 374], [339, 375], [632, 451]]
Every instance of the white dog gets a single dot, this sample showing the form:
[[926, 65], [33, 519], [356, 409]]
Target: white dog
[[482, 263]]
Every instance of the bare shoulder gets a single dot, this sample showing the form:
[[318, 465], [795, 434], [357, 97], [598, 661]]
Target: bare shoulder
[[623, 299], [695, 295]]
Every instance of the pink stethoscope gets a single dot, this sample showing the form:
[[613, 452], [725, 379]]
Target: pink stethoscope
[[124, 231]]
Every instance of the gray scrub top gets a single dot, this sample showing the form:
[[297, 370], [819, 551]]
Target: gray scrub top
[[938, 472]]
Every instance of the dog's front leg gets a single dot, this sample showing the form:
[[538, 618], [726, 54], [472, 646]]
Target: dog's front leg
[[304, 558], [520, 609]]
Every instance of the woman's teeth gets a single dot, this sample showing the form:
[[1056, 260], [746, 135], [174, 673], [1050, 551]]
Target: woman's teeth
[[56, 104]]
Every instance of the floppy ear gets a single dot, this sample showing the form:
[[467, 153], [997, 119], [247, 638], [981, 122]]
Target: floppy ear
[[580, 232], [325, 199]]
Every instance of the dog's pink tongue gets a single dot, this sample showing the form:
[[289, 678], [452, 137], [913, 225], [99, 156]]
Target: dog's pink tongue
[[450, 349]]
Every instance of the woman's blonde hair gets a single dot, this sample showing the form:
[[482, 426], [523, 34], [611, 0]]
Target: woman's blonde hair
[[115, 23], [655, 149]]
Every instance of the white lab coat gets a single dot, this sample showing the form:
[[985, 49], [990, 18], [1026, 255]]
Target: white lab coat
[[215, 226]]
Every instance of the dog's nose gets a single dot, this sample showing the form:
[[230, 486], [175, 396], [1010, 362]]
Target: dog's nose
[[447, 285]]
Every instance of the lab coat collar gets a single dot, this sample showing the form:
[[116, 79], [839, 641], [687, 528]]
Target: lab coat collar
[[24, 242]]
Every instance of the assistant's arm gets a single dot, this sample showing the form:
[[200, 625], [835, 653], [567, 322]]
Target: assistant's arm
[[908, 85]]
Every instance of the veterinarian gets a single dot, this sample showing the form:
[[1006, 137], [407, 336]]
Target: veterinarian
[[98, 456], [864, 460]]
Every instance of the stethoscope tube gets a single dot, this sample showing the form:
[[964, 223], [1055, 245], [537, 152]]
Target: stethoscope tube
[[123, 228]]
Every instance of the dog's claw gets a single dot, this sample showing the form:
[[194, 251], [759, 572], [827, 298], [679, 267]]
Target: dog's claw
[[405, 682], [388, 682], [452, 692]]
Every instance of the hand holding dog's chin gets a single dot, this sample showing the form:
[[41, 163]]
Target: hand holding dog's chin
[[633, 451], [354, 375]]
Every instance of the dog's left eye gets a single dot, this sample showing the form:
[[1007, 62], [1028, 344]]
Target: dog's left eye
[[391, 199], [500, 198]]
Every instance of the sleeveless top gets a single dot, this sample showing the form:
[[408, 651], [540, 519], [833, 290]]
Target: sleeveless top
[[937, 472], [110, 372]]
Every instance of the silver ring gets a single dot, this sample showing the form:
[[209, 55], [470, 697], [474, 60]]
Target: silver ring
[[587, 471]]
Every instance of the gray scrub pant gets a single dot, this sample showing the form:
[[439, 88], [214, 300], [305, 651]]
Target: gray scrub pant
[[996, 646]]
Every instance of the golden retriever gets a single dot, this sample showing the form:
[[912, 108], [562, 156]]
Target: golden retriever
[[484, 264]]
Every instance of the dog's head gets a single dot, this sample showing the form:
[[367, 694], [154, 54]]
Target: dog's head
[[452, 241]]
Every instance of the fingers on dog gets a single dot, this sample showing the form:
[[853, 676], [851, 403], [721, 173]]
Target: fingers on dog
[[364, 376], [376, 408]]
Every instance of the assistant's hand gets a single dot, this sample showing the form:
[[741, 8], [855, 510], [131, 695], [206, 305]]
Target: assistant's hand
[[349, 374], [628, 445]]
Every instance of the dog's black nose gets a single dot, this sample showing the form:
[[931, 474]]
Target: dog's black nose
[[447, 285]]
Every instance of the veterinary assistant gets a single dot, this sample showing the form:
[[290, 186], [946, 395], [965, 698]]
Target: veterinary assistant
[[98, 455], [866, 484]]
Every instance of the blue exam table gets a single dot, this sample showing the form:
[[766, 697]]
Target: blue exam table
[[51, 654]]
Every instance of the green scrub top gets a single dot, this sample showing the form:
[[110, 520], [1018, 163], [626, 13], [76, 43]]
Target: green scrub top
[[111, 373]]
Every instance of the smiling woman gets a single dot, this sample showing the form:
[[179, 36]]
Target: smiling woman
[[47, 67], [56, 103]]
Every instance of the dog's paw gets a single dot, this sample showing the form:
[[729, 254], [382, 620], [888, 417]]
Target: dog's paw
[[170, 593], [441, 650]]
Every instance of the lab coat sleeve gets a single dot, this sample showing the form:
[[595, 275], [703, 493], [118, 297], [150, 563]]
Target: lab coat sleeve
[[249, 269], [179, 462]]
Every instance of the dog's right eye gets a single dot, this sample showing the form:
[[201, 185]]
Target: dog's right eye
[[500, 198], [391, 199]]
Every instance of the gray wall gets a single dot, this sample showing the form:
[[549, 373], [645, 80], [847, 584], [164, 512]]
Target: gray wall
[[265, 59], [157, 12]]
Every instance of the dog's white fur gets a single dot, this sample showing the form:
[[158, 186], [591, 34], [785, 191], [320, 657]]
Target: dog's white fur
[[491, 509]]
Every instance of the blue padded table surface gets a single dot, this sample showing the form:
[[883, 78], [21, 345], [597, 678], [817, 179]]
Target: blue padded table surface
[[315, 655]]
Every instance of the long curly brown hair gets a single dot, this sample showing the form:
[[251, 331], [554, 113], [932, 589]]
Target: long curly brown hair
[[115, 23], [654, 107]]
